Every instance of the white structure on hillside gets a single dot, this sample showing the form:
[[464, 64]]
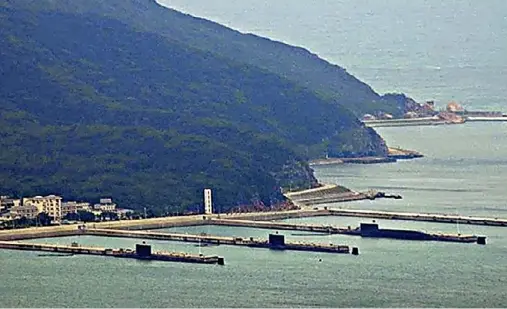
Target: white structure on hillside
[[208, 205], [51, 205]]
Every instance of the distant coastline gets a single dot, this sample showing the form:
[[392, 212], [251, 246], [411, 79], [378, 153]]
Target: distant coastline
[[428, 121], [421, 114], [394, 155]]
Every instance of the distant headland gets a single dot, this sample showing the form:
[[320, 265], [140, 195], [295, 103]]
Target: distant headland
[[419, 114]]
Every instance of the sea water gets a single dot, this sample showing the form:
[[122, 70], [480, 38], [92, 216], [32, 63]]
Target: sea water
[[430, 50]]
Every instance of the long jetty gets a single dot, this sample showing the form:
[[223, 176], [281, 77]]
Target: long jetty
[[221, 240], [358, 231], [441, 218], [324, 229], [374, 214], [118, 253]]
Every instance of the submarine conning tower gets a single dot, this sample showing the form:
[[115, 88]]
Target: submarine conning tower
[[368, 228], [143, 250], [276, 241], [481, 240]]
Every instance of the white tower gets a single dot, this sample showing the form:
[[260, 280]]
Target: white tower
[[208, 205]]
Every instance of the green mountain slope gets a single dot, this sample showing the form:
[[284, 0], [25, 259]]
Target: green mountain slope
[[93, 107], [294, 63]]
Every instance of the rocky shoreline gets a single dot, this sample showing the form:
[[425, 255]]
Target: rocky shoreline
[[394, 154]]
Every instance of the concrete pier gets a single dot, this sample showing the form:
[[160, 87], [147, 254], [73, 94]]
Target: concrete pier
[[119, 253], [324, 229], [358, 231], [275, 215], [374, 214], [218, 240], [441, 218]]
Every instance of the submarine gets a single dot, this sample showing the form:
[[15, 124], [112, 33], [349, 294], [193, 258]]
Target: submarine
[[372, 230]]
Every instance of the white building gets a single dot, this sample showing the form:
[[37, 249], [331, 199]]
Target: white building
[[6, 203], [106, 204], [51, 205], [74, 207], [208, 205], [28, 211]]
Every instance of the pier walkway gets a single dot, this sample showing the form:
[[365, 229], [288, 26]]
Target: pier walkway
[[374, 214], [218, 240], [357, 231], [428, 217], [324, 229], [119, 253]]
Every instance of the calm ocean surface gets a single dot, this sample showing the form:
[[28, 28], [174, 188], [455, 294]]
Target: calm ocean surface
[[428, 49]]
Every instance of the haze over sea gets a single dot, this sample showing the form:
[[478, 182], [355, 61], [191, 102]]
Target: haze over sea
[[427, 49]]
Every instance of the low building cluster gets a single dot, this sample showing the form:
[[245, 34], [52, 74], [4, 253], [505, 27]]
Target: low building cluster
[[54, 207]]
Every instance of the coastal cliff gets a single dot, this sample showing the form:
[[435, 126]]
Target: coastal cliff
[[94, 105]]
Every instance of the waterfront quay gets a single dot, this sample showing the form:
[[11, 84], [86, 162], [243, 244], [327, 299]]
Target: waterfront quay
[[72, 229], [142, 252]]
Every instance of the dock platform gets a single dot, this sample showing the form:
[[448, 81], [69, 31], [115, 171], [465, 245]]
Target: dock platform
[[358, 231], [142, 252], [427, 217], [374, 214], [219, 240]]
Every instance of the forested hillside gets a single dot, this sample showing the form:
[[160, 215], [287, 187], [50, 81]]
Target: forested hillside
[[92, 106], [294, 63]]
